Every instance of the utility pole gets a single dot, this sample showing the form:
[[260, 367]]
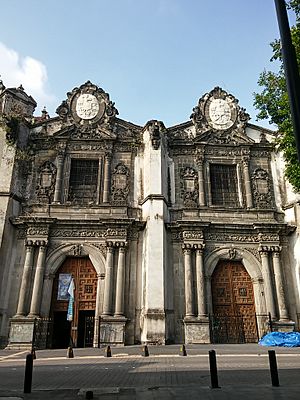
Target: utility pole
[[290, 68]]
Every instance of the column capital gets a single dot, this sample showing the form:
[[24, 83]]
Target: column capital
[[199, 247], [29, 244], [276, 250], [263, 250], [107, 156], [110, 247], [186, 248]]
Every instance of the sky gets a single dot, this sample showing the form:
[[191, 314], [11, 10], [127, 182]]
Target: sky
[[155, 58]]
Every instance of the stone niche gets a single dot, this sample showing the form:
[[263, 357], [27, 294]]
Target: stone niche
[[196, 331]]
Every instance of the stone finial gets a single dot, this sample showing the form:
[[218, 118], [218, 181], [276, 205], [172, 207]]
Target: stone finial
[[45, 114]]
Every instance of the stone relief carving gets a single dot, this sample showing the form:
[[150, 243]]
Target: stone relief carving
[[87, 107], [261, 188], [189, 187], [77, 233], [228, 237], [101, 247], [120, 184], [219, 119], [155, 129], [46, 182], [192, 235], [37, 231]]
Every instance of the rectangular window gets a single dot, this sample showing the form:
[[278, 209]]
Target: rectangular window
[[224, 185], [83, 181]]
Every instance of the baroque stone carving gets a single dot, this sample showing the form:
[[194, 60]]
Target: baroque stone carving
[[77, 233], [120, 184], [219, 119], [86, 107], [229, 237], [46, 182], [261, 188], [155, 129], [189, 187], [192, 235], [37, 231]]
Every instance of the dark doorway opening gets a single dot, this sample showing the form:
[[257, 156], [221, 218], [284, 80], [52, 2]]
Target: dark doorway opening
[[61, 330], [85, 328]]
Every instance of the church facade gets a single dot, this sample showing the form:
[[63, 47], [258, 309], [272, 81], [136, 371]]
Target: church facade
[[114, 233]]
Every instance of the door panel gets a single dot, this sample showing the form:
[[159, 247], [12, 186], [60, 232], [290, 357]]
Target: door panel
[[85, 281], [233, 303]]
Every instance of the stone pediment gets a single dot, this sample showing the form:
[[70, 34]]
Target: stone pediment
[[219, 119], [88, 113]]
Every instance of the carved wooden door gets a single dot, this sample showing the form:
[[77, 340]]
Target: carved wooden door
[[85, 281], [233, 303]]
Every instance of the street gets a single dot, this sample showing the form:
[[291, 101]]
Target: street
[[240, 367]]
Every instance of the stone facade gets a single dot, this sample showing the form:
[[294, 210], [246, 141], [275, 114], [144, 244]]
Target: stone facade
[[154, 209]]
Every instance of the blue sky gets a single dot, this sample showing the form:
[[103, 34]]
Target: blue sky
[[155, 58]]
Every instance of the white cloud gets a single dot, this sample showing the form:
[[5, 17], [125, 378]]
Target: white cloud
[[29, 72]]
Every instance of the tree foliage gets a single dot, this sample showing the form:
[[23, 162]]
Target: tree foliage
[[273, 102]]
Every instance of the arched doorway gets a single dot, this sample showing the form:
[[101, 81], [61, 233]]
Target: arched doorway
[[81, 328], [234, 319]]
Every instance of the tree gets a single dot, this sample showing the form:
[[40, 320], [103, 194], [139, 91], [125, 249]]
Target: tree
[[273, 102]]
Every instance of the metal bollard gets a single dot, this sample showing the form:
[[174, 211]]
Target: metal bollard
[[70, 353], [182, 351], [89, 394], [145, 351], [108, 351], [213, 369], [28, 373], [273, 368]]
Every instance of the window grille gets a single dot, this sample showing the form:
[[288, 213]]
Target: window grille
[[224, 185], [83, 181]]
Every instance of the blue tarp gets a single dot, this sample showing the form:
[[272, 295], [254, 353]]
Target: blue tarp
[[284, 339]]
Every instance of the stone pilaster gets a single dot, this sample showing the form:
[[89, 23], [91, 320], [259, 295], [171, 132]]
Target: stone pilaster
[[283, 312], [108, 286], [119, 306], [199, 160], [59, 175], [188, 280], [106, 183], [249, 200], [270, 303], [38, 281], [200, 278], [100, 279], [28, 264]]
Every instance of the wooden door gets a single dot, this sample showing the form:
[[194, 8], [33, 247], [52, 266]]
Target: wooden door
[[85, 281], [233, 303]]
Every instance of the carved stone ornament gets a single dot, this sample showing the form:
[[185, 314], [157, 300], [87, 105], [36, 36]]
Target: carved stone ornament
[[155, 129], [86, 106], [120, 184], [261, 189], [189, 187], [219, 115], [46, 182]]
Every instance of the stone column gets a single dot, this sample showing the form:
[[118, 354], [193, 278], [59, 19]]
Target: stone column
[[267, 281], [200, 282], [59, 174], [108, 286], [188, 282], [249, 201], [100, 278], [38, 281], [106, 183], [200, 159], [119, 307], [283, 313], [21, 309]]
